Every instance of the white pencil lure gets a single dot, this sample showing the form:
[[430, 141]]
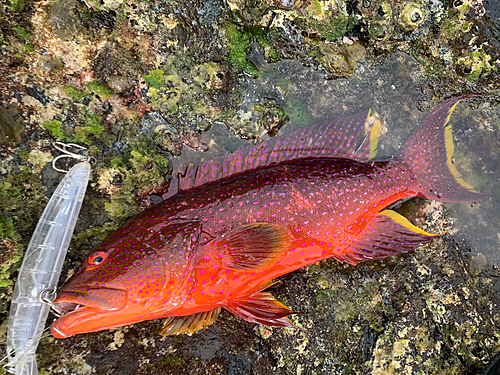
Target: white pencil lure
[[36, 284]]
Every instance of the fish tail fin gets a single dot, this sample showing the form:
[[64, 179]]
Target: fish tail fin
[[429, 153]]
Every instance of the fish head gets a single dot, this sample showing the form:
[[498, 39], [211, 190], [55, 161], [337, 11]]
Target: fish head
[[136, 276], [115, 286]]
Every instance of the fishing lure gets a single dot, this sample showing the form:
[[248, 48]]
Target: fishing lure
[[36, 284]]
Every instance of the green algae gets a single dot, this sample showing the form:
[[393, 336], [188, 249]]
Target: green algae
[[74, 93], [100, 89], [330, 28], [21, 33], [170, 360], [138, 171], [17, 5], [238, 44], [477, 64], [22, 200], [7, 228], [88, 127], [296, 110], [155, 78], [54, 127], [93, 128]]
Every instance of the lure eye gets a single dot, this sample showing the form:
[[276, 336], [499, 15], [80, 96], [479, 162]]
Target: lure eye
[[97, 258]]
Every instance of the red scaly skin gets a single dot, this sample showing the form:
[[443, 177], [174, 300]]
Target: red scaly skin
[[324, 204]]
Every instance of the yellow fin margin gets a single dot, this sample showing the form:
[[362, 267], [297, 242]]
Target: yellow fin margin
[[450, 149], [374, 140], [403, 221], [373, 134]]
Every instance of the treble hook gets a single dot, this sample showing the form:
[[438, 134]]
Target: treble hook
[[47, 296], [66, 149]]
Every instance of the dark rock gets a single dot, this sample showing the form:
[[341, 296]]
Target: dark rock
[[37, 93], [11, 125], [62, 18], [117, 68]]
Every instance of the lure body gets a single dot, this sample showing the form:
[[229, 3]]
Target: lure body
[[41, 268]]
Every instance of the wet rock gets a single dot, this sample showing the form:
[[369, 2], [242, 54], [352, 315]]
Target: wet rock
[[477, 264], [11, 125], [273, 116], [50, 63], [342, 59], [98, 20], [116, 67], [62, 17]]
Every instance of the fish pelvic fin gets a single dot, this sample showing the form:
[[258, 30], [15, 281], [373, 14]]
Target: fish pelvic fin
[[261, 308], [251, 247], [187, 325], [388, 233], [429, 153]]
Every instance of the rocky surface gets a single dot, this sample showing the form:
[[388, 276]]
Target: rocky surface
[[149, 86]]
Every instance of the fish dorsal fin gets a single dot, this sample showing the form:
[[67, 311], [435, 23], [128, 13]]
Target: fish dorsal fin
[[337, 138], [261, 308], [251, 246], [387, 234], [187, 325]]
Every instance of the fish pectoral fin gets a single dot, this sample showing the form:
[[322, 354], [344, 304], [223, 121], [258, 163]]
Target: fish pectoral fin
[[187, 325], [388, 233], [261, 308], [251, 247]]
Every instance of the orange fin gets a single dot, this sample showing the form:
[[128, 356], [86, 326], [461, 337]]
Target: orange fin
[[187, 325], [387, 234], [261, 308], [251, 246]]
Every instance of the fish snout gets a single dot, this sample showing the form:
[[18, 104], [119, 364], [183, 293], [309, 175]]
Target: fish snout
[[82, 308]]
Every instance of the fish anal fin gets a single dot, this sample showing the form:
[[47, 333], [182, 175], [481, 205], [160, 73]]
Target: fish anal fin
[[387, 234], [261, 308], [251, 247], [187, 325]]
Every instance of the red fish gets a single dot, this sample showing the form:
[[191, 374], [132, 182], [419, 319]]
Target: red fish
[[244, 219]]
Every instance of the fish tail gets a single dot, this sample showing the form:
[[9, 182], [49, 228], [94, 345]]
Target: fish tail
[[429, 153]]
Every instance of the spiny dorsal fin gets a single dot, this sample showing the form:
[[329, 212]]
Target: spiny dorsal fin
[[251, 246], [337, 138], [187, 325], [387, 234]]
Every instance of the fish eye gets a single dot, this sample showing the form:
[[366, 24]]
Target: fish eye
[[97, 258]]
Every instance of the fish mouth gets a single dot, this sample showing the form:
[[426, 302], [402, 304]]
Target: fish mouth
[[65, 307], [95, 298], [81, 310]]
